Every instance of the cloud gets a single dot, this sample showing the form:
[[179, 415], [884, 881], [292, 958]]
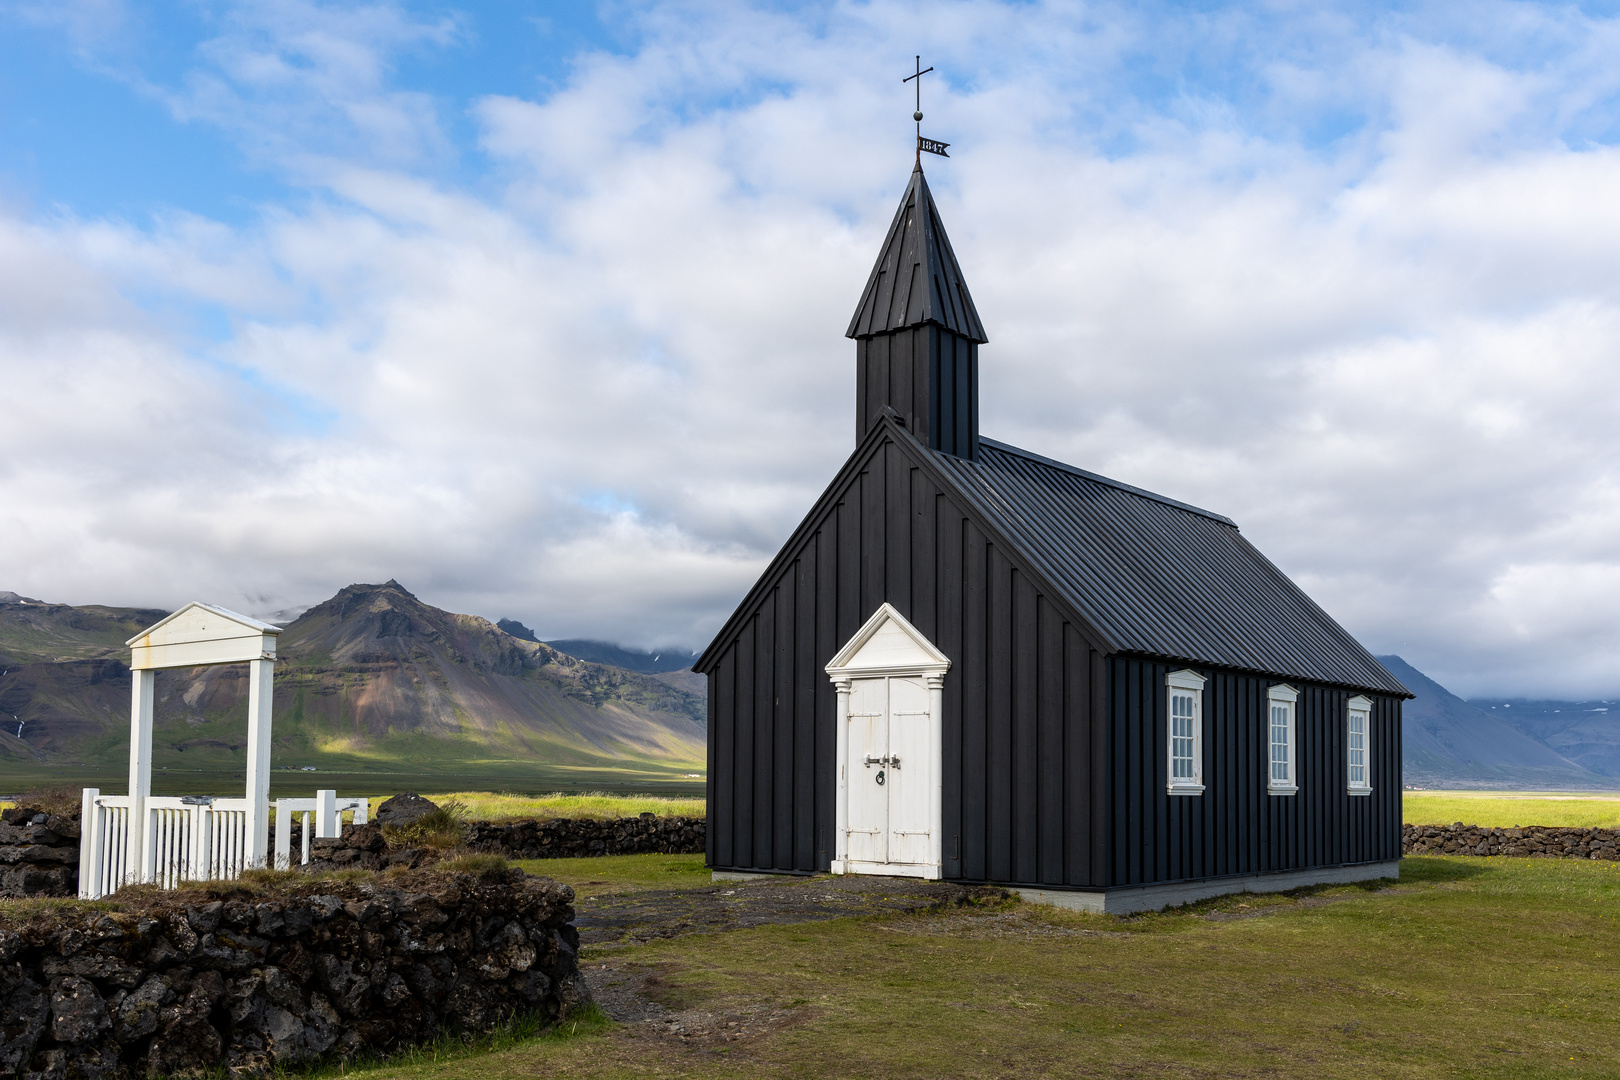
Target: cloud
[[1347, 276]]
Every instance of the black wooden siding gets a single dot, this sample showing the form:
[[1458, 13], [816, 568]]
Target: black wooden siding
[[1236, 826], [1023, 796], [930, 377]]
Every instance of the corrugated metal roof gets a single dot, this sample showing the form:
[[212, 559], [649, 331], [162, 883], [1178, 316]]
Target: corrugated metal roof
[[916, 279], [1160, 577]]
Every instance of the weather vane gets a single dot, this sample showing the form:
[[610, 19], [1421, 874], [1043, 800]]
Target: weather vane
[[931, 145]]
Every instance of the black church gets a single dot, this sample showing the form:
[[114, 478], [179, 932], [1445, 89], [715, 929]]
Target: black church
[[975, 663]]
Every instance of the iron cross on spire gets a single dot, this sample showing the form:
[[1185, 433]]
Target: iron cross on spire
[[931, 145]]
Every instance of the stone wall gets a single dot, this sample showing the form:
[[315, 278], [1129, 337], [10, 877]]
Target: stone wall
[[361, 847], [365, 847], [1534, 841], [567, 838], [245, 982], [39, 853]]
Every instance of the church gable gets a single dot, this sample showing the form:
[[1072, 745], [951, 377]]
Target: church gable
[[1024, 674], [916, 540]]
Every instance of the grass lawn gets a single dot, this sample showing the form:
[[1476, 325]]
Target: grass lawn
[[490, 806], [1503, 809], [1468, 968]]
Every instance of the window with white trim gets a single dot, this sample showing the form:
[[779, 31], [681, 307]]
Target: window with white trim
[[1184, 691], [1282, 751], [1358, 746]]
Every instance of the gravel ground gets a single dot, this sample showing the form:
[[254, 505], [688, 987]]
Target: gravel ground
[[611, 921]]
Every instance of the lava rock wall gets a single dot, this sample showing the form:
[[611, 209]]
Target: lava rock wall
[[204, 982], [39, 853], [568, 838], [1532, 841]]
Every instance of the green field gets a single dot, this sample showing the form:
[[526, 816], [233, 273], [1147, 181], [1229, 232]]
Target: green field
[[527, 778], [1505, 809], [502, 806], [1468, 968]]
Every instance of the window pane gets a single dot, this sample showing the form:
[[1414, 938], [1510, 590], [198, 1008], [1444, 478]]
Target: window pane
[[1181, 736], [1357, 746], [1279, 743]]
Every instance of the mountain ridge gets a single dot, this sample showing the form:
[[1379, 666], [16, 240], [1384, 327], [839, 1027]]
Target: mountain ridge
[[370, 678], [1446, 741]]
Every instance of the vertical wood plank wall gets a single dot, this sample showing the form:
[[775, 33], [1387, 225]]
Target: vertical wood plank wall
[[1236, 826], [928, 375], [1023, 759]]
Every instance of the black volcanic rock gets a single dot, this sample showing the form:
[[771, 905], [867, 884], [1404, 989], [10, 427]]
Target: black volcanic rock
[[404, 809], [518, 630]]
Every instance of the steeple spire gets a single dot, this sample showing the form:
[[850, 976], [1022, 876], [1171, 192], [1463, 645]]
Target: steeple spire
[[917, 332]]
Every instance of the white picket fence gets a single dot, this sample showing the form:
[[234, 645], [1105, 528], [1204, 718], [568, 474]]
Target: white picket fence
[[189, 838], [328, 811]]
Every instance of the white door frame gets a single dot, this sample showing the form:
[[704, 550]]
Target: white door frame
[[878, 650]]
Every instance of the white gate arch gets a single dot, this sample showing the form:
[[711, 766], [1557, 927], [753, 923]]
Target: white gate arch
[[137, 837]]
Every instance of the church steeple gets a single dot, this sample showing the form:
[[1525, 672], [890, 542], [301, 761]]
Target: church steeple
[[917, 333]]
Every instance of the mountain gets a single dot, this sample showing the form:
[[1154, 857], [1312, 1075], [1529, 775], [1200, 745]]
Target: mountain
[[372, 681], [1586, 732], [654, 662], [35, 632], [1448, 742]]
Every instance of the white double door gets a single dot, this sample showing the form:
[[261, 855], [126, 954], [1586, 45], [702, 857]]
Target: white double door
[[892, 773]]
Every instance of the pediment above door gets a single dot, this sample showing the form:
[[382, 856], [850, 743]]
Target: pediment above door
[[888, 644]]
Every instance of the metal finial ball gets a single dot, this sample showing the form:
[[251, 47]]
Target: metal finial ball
[[917, 116]]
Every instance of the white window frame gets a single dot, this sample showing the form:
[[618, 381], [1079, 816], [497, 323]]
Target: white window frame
[[1282, 696], [1184, 683], [1358, 706]]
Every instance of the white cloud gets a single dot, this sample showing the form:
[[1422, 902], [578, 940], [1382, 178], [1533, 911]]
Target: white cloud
[[597, 397]]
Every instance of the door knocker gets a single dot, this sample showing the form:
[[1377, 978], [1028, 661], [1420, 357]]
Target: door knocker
[[880, 777]]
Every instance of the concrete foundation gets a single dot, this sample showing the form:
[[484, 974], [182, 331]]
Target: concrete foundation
[[741, 875], [1158, 897]]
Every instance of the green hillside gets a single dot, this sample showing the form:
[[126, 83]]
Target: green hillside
[[374, 690]]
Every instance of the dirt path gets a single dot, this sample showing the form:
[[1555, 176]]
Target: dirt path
[[629, 993], [614, 921]]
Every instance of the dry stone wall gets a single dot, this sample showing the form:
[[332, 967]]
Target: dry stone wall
[[231, 981], [39, 853], [568, 838], [365, 847], [1533, 841]]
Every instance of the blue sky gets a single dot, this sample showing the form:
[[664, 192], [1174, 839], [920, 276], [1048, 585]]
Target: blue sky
[[84, 122], [538, 308]]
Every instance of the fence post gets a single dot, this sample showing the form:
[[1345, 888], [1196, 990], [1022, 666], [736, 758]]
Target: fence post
[[89, 845], [283, 836], [261, 674], [326, 815], [142, 683]]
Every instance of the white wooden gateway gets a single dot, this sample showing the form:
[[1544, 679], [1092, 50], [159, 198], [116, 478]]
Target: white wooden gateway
[[890, 681], [144, 838]]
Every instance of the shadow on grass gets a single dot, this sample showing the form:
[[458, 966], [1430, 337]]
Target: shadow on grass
[[448, 1047], [1436, 868]]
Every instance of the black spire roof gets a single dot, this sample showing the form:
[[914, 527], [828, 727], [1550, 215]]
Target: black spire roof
[[916, 279]]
